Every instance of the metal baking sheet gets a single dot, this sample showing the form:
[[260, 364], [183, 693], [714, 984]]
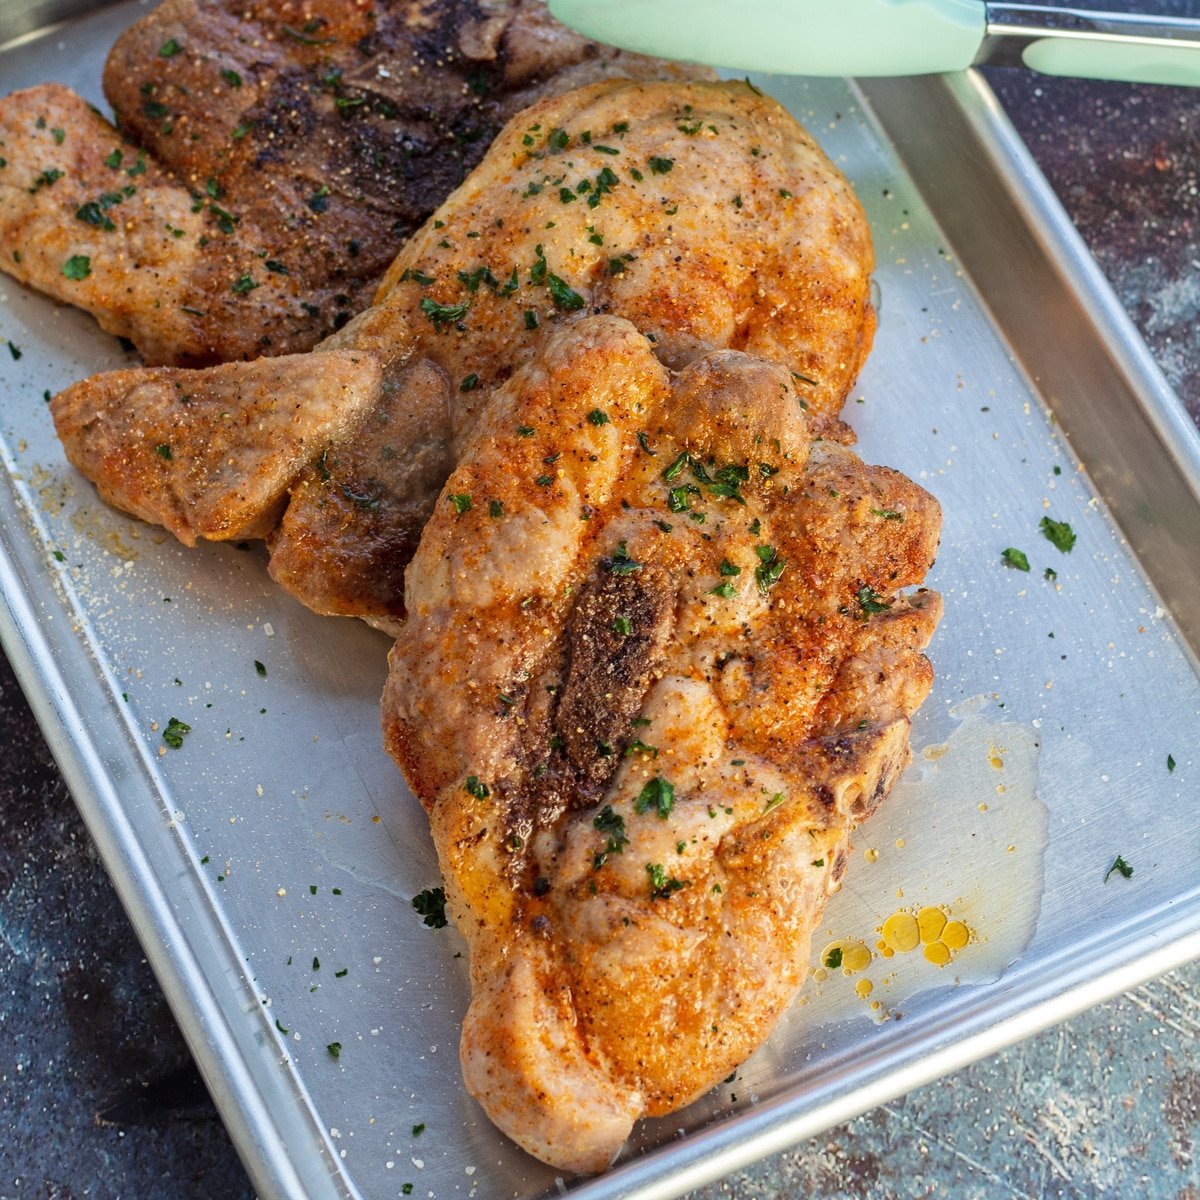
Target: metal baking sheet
[[269, 863]]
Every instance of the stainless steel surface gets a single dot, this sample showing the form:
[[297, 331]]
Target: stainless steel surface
[[996, 336], [1011, 28]]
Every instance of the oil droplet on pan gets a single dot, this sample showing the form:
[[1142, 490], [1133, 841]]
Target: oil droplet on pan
[[970, 878]]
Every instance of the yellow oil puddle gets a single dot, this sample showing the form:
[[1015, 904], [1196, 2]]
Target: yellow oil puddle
[[957, 900]]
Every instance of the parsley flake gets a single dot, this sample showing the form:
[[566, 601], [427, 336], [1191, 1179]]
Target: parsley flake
[[175, 732], [612, 825], [1058, 533], [442, 314], [77, 267], [770, 568], [658, 794], [431, 907], [662, 885], [621, 563], [1015, 558], [1121, 867]]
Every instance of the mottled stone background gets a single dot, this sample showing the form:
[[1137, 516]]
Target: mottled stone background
[[97, 1094]]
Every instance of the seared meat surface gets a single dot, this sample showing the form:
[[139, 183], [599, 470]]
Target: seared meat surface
[[659, 663], [272, 157], [700, 211]]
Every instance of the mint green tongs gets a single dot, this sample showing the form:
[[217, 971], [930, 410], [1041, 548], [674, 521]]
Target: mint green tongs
[[895, 37]]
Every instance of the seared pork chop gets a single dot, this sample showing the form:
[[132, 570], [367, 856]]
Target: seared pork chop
[[271, 158], [700, 211], [659, 664]]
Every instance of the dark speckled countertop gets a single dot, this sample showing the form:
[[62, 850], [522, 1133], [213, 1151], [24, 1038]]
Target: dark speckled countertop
[[97, 1094]]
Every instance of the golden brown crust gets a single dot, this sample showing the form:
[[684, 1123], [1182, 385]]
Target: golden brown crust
[[211, 454], [521, 247], [638, 880], [277, 153]]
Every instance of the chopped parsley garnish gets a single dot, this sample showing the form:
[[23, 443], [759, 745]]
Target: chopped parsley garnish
[[461, 502], [728, 568], [1121, 867], [77, 267], [335, 1049], [417, 277], [113, 160], [658, 794], [175, 732], [870, 601], [612, 825], [531, 319], [622, 626], [606, 180], [442, 314], [660, 166], [260, 668], [231, 77], [621, 563], [1058, 533], [662, 885], [1050, 574], [243, 284], [674, 470], [722, 484], [770, 568], [1170, 763], [677, 498], [431, 907], [469, 383], [725, 590], [93, 212], [833, 959], [557, 140], [169, 48], [163, 450], [526, 430], [563, 295], [476, 787], [598, 417], [1015, 558], [472, 279], [49, 176]]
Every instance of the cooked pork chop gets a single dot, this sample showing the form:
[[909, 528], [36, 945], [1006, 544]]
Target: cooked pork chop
[[278, 153], [700, 211], [659, 664]]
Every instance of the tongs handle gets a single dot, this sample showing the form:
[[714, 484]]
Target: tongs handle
[[791, 37], [895, 37]]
